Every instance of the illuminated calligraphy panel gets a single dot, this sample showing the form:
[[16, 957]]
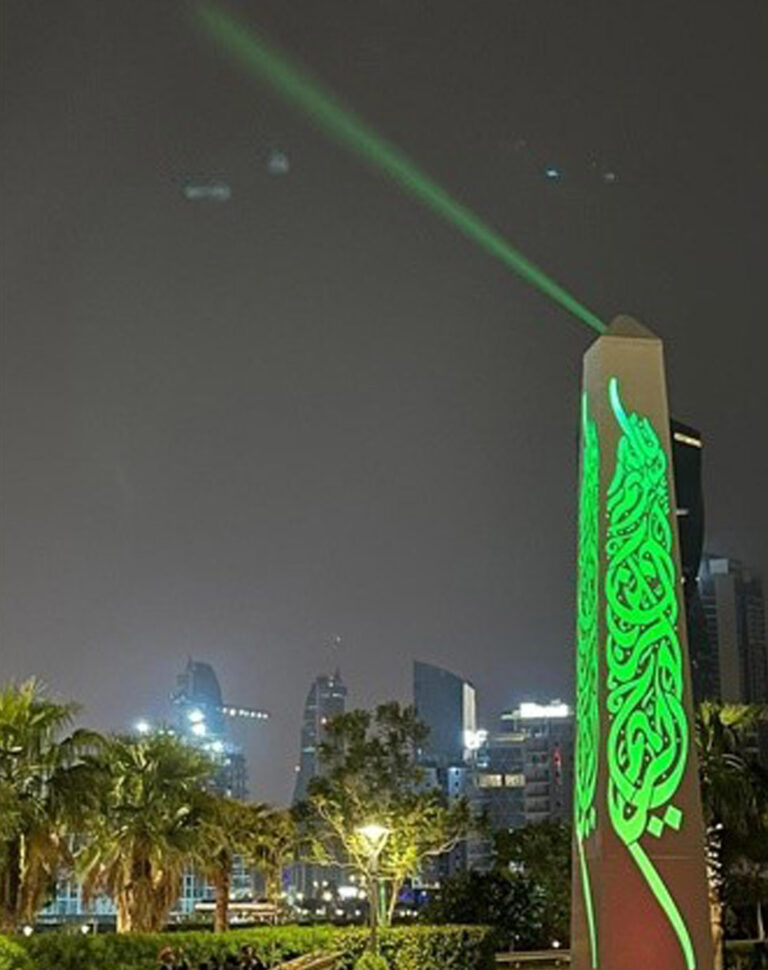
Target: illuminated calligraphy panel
[[639, 885]]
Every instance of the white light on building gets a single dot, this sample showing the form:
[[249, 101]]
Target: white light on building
[[475, 739], [529, 710]]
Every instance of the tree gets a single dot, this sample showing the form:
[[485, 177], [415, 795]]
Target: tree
[[228, 828], [271, 847], [733, 791], [542, 852], [745, 881], [510, 902], [370, 774], [46, 788], [148, 828]]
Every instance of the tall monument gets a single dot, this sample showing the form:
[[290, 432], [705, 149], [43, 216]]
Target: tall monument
[[639, 877]]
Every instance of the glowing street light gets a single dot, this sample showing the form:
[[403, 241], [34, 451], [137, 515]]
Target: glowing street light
[[373, 837], [142, 727]]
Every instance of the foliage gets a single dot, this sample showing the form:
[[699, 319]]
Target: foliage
[[371, 961], [543, 853], [46, 790], [13, 956], [509, 902], [272, 847], [405, 948], [732, 783], [734, 792], [371, 775], [227, 828], [147, 828], [264, 837]]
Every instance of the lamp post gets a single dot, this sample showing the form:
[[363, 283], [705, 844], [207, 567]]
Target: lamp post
[[373, 837]]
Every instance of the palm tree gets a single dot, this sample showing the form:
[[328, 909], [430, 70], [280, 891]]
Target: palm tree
[[272, 847], [229, 828], [733, 789], [148, 829], [45, 792]]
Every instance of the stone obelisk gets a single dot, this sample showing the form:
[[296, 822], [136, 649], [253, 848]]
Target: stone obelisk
[[639, 876]]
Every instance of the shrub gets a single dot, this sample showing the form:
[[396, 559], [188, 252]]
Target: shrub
[[404, 948], [439, 947], [13, 956], [371, 961], [138, 951]]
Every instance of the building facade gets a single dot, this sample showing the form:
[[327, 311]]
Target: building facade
[[522, 773], [734, 608], [446, 703], [326, 699], [687, 453]]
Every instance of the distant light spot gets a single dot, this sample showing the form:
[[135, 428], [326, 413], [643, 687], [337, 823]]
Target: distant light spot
[[610, 177], [206, 190], [278, 163], [552, 173]]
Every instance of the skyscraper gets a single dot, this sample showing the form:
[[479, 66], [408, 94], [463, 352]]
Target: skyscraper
[[201, 717], [687, 450], [735, 615], [327, 697], [446, 703]]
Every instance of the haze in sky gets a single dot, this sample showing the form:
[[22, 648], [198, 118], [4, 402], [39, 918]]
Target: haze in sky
[[234, 429]]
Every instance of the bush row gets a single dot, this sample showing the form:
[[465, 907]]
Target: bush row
[[405, 948]]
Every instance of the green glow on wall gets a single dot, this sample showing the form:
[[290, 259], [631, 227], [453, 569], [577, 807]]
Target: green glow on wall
[[587, 713], [648, 739], [300, 90]]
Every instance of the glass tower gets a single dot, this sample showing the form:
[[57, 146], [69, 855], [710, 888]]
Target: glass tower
[[327, 697]]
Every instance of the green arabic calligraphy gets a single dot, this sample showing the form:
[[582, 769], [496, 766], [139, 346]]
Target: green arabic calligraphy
[[587, 716], [648, 740]]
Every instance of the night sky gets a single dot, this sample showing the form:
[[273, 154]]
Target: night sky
[[232, 431]]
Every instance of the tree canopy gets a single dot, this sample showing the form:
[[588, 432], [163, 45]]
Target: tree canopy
[[370, 774]]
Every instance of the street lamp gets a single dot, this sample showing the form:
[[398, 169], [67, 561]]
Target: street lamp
[[373, 837]]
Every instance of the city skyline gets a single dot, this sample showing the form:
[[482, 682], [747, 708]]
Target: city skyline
[[233, 422]]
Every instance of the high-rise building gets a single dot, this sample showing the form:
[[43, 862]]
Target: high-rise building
[[735, 615], [327, 698], [202, 718], [687, 450], [523, 773], [446, 703], [546, 736]]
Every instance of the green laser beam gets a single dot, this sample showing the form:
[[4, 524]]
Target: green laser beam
[[298, 88]]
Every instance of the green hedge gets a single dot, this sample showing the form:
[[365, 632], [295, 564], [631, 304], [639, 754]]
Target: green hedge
[[406, 948], [13, 956]]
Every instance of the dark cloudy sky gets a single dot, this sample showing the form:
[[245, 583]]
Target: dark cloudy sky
[[230, 431]]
